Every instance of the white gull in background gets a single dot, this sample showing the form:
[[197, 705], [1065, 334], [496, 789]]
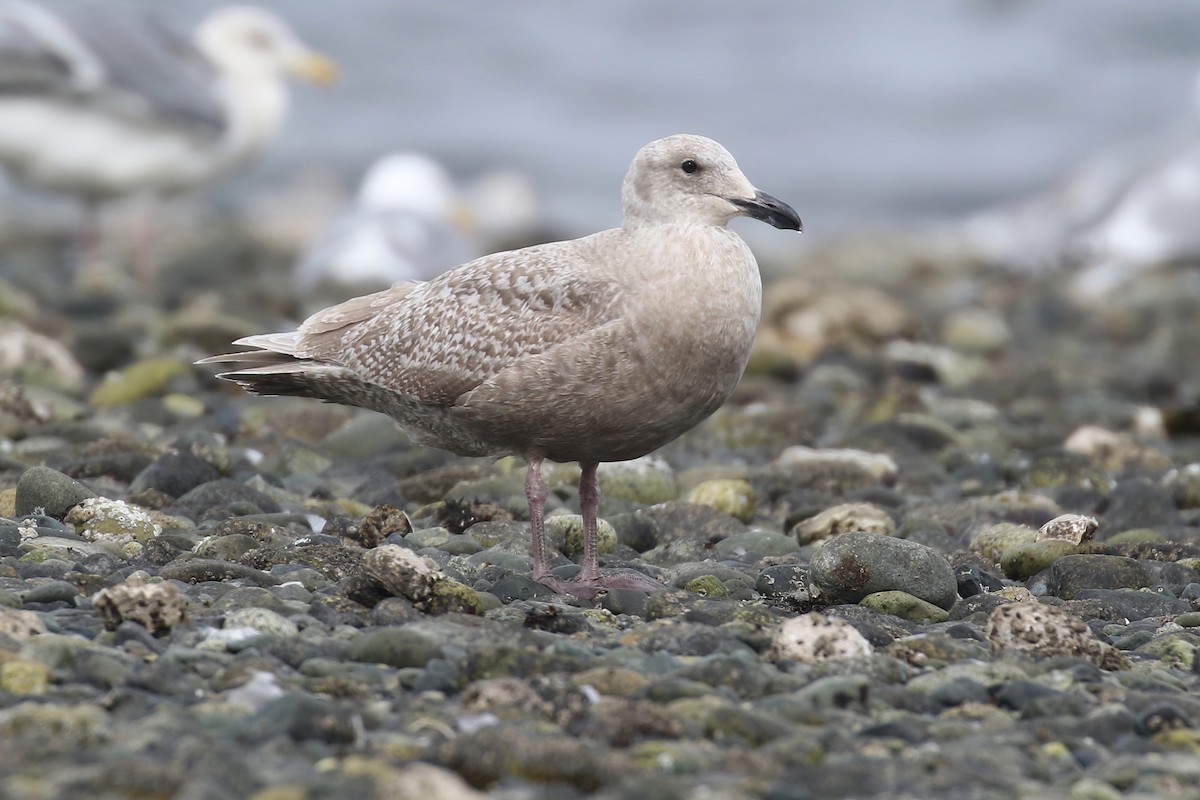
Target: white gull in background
[[597, 349], [1154, 221], [1118, 214], [103, 102], [408, 222], [507, 208]]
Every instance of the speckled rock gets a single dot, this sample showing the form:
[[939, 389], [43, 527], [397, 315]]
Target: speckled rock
[[99, 518], [20, 624], [402, 572], [1044, 631], [842, 518], [155, 606], [851, 566], [812, 638], [1074, 528]]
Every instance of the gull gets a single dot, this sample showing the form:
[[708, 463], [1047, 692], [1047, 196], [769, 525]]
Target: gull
[[597, 349], [103, 103], [407, 223]]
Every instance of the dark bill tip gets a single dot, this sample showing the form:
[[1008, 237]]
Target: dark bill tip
[[771, 210]]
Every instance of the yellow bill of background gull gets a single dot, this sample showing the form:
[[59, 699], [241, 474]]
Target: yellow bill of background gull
[[597, 349], [408, 222], [102, 102]]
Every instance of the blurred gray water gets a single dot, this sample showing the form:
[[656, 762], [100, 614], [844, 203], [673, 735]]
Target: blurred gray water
[[858, 112]]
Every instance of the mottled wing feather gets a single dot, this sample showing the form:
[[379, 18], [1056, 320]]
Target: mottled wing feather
[[435, 341]]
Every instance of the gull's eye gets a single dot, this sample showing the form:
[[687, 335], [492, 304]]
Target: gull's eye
[[258, 39], [689, 166]]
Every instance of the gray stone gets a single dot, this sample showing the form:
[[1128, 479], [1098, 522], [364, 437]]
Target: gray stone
[[42, 490], [174, 474], [851, 566], [263, 620], [1138, 503], [52, 592], [1133, 604], [756, 542], [395, 646], [225, 492], [1071, 574]]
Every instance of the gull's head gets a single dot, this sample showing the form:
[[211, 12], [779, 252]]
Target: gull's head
[[250, 42], [691, 179]]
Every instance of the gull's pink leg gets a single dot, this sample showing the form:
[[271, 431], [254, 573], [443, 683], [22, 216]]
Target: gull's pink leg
[[589, 582], [536, 492], [87, 244], [589, 500], [146, 266]]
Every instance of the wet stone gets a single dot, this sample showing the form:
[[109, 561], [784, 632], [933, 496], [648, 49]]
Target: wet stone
[[851, 566], [1072, 574], [42, 490]]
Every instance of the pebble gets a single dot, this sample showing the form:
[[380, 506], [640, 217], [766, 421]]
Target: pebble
[[733, 496], [1046, 631], [155, 606], [862, 517], [904, 605], [42, 490], [812, 638], [1072, 574], [851, 566]]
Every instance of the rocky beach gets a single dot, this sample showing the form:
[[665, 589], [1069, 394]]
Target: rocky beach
[[942, 543]]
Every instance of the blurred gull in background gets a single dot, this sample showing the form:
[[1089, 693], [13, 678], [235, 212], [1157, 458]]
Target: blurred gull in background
[[101, 102], [507, 209], [1118, 214], [408, 222], [1154, 220]]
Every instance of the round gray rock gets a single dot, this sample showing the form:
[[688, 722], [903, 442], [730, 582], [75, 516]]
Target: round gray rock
[[50, 492], [851, 566]]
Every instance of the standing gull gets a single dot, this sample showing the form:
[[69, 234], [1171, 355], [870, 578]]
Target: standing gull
[[603, 348], [101, 103]]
